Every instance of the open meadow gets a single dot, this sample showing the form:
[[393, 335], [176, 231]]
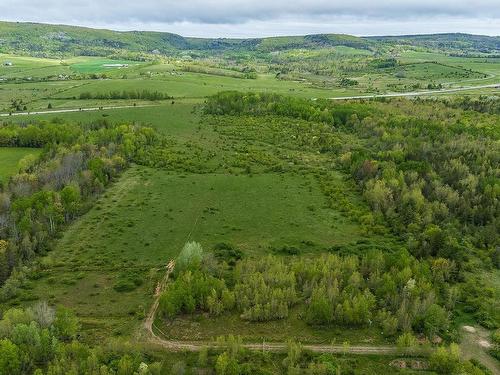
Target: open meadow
[[213, 194]]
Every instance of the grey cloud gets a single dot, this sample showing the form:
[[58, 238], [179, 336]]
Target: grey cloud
[[238, 11], [245, 18]]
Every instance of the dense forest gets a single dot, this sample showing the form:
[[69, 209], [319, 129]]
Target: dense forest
[[395, 291]]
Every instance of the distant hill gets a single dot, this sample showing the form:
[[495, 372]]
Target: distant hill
[[465, 43], [45, 40], [52, 40]]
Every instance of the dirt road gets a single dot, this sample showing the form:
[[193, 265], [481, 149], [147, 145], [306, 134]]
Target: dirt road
[[69, 110], [418, 93], [475, 344]]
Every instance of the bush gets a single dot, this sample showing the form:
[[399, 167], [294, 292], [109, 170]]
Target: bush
[[124, 285], [128, 281], [446, 360], [227, 253], [190, 257]]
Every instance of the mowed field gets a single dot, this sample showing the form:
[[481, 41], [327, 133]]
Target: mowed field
[[9, 160], [179, 120]]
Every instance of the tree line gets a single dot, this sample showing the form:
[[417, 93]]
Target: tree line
[[126, 94], [77, 164]]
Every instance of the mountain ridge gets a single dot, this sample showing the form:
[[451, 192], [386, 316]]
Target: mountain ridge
[[49, 40]]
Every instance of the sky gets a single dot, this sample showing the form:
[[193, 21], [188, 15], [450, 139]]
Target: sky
[[259, 18]]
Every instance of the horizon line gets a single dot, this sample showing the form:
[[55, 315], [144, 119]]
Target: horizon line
[[243, 38]]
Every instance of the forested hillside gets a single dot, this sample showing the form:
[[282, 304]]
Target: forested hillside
[[44, 40]]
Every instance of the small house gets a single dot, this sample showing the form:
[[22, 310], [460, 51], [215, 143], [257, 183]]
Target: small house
[[7, 63]]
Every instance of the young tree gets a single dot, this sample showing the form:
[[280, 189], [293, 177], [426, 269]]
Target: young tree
[[10, 362], [225, 365], [435, 320], [70, 199], [125, 365], [44, 315], [294, 353], [190, 257], [446, 361], [66, 324], [407, 343]]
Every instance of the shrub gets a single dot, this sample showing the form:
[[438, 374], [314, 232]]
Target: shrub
[[190, 257]]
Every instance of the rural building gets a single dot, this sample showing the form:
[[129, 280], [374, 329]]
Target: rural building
[[7, 63]]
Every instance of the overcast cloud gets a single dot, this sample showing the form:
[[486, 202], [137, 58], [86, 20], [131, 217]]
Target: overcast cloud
[[251, 18]]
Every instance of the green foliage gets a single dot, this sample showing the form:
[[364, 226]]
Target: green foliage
[[446, 360], [128, 281], [9, 358], [225, 365], [481, 299], [393, 290], [13, 159], [226, 252], [140, 95], [407, 342], [190, 257], [191, 291], [38, 135], [66, 324], [236, 103], [29, 348]]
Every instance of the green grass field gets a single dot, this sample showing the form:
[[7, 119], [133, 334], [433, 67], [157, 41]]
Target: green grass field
[[146, 217], [177, 120], [9, 160], [97, 65]]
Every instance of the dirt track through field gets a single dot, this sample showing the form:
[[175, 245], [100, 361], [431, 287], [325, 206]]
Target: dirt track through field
[[69, 110]]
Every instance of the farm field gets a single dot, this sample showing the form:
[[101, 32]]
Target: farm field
[[36, 84]]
